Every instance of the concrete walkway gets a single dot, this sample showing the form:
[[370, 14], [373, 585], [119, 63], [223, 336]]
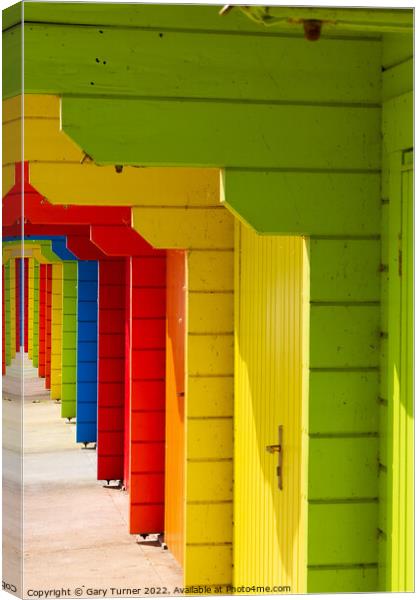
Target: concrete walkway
[[75, 533]]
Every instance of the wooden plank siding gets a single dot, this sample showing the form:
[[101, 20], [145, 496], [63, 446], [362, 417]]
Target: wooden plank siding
[[30, 306], [3, 323], [35, 351], [36, 312], [175, 385], [271, 377], [147, 416], [87, 351], [396, 428], [56, 330], [42, 318], [25, 304], [18, 272], [12, 339], [7, 311], [111, 369], [300, 138], [206, 233], [48, 320], [69, 353]]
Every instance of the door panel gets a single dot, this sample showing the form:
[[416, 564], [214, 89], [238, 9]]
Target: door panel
[[271, 333], [175, 405]]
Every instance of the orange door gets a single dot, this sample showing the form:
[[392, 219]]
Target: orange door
[[175, 404]]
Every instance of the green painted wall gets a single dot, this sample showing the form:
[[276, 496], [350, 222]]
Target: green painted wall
[[69, 357], [35, 351], [396, 415]]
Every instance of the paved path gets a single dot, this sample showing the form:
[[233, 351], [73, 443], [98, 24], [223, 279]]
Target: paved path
[[75, 529]]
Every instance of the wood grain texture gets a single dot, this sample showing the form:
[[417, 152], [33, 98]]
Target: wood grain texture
[[35, 352], [8, 322], [87, 351], [355, 522], [56, 330], [272, 301], [345, 270], [223, 134], [305, 203], [103, 186], [395, 547], [111, 327], [175, 484], [146, 442], [48, 319], [344, 336], [141, 63], [69, 354]]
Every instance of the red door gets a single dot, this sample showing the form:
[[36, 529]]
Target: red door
[[111, 369], [48, 315], [42, 318], [26, 270], [17, 302], [147, 468]]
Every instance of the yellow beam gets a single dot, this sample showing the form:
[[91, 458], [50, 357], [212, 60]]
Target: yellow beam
[[61, 172]]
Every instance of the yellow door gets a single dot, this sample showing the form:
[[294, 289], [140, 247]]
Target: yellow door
[[271, 372]]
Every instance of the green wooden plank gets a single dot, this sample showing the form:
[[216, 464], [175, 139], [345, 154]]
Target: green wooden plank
[[396, 48], [398, 80], [70, 374], [344, 336], [12, 15], [343, 402], [178, 64], [398, 123], [342, 534], [179, 16], [345, 270], [296, 203], [69, 305], [69, 347], [12, 64], [343, 468], [69, 338], [215, 134], [406, 470], [350, 580], [389, 500]]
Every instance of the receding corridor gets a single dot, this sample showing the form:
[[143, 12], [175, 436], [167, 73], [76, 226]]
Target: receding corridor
[[75, 529]]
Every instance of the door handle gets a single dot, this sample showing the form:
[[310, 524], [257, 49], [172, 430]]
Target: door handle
[[272, 449]]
